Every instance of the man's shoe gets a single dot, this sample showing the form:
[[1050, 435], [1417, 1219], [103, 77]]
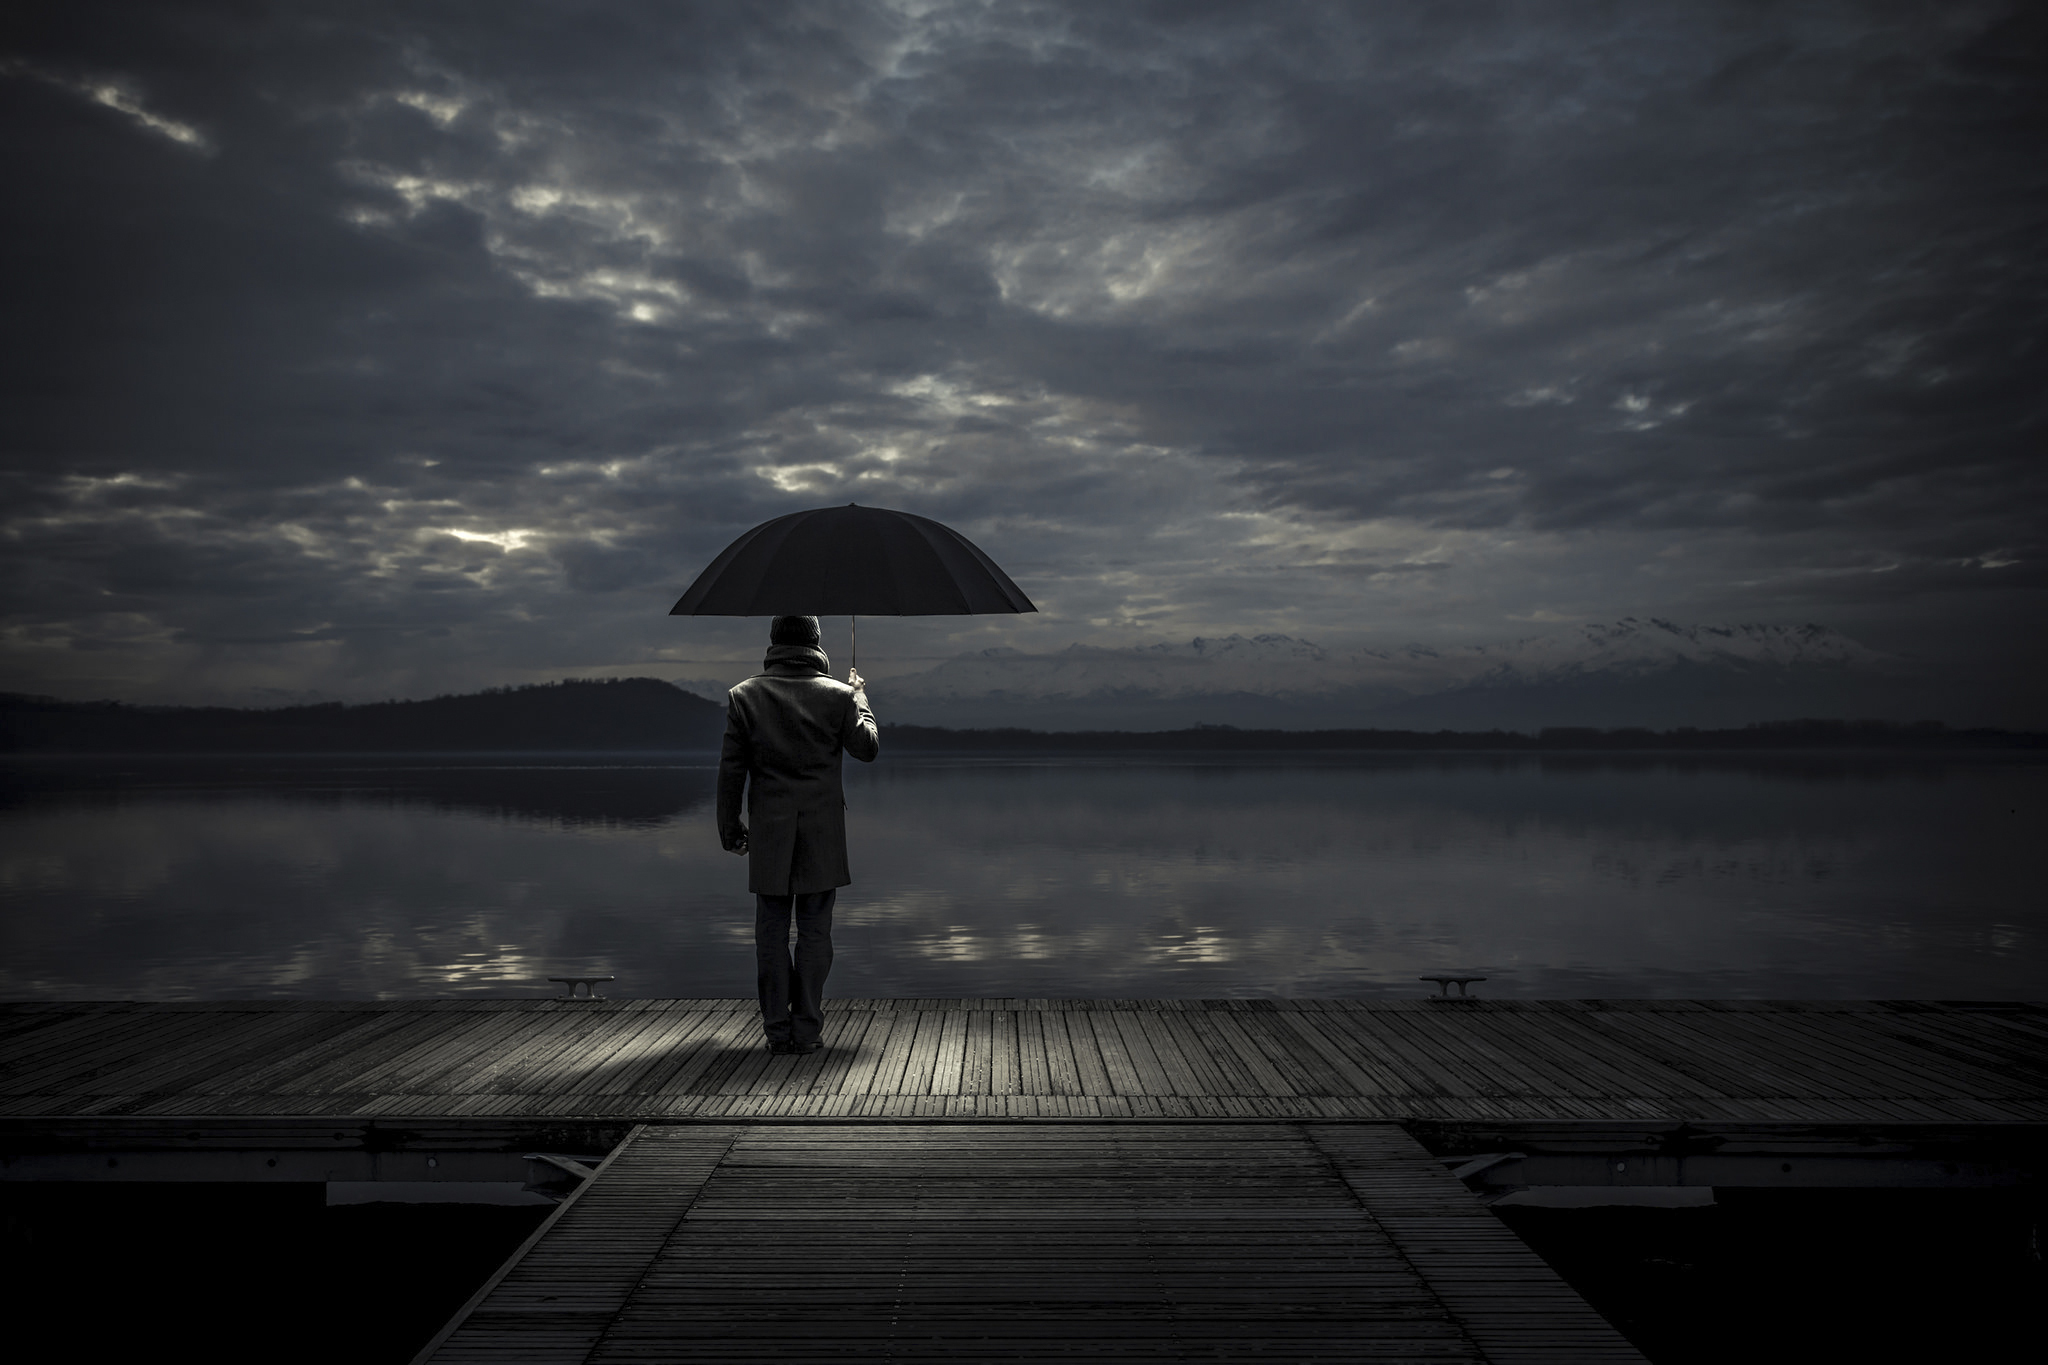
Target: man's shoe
[[805, 1047], [782, 1047]]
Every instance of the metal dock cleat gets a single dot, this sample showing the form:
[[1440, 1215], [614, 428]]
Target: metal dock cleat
[[589, 985]]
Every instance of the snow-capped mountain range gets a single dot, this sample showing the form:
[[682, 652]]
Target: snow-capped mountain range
[[1631, 672]]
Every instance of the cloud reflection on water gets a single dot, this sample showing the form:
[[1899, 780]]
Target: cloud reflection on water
[[1036, 877]]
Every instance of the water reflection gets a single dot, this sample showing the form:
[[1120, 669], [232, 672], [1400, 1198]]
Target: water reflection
[[1037, 876], [600, 790]]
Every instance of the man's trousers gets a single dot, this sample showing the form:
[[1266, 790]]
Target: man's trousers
[[792, 986]]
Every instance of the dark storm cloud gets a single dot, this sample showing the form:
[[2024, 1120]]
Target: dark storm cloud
[[378, 348]]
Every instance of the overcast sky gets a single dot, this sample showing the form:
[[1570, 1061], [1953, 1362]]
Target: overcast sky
[[362, 350]]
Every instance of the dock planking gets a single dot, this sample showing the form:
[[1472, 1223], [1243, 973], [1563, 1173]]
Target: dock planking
[[979, 1242], [999, 1179], [1765, 1062]]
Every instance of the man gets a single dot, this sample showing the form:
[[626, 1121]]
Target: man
[[785, 729]]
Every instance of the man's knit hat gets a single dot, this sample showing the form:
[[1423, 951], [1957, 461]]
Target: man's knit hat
[[794, 630]]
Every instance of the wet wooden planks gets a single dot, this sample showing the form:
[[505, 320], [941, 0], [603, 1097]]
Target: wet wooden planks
[[1507, 1298], [998, 1242], [1722, 1061], [554, 1298]]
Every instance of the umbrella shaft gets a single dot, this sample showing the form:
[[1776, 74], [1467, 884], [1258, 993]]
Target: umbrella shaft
[[853, 623]]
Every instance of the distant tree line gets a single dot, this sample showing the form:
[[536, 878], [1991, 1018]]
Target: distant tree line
[[615, 714], [1788, 734], [575, 714]]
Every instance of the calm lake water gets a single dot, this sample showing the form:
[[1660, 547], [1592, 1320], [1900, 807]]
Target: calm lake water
[[1038, 875]]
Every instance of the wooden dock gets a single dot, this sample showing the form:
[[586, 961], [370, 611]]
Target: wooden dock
[[1757, 1062], [1027, 1179], [976, 1242]]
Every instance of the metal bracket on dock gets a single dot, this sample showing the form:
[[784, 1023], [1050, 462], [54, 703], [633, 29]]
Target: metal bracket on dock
[[1444, 984], [1469, 1172], [545, 1172], [589, 985], [563, 1163], [1479, 1164]]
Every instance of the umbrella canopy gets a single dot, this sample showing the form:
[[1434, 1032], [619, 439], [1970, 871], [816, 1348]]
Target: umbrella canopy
[[851, 561]]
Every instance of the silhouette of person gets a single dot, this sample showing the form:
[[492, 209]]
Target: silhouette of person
[[785, 729]]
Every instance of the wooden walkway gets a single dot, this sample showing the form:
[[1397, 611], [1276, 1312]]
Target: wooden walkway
[[1765, 1062], [994, 1179], [985, 1242]]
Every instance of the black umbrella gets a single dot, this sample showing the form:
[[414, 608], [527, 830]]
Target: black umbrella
[[851, 561]]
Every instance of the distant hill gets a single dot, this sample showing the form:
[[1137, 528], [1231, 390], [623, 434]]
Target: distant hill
[[575, 714], [1776, 735], [628, 714]]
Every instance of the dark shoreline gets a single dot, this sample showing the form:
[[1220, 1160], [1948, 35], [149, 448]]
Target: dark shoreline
[[1799, 735], [642, 715]]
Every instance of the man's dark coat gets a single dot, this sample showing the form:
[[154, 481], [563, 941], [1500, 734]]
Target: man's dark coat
[[785, 729]]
